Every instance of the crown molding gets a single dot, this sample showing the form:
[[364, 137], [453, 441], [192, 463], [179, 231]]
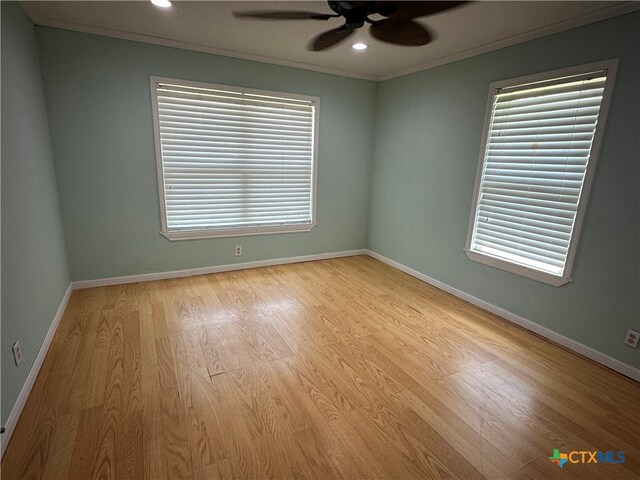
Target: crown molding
[[599, 15], [167, 42], [593, 17]]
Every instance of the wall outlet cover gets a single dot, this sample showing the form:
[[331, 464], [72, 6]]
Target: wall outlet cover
[[238, 251], [632, 338]]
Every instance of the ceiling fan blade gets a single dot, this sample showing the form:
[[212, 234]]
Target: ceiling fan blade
[[288, 15], [410, 10], [330, 38], [401, 32]]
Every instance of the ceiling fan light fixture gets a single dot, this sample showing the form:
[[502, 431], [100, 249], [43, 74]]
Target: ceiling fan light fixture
[[162, 3], [360, 46]]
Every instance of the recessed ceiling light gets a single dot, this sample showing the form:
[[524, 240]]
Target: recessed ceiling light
[[359, 46], [161, 3]]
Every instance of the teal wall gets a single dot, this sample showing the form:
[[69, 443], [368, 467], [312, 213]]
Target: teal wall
[[428, 133], [99, 104], [34, 266]]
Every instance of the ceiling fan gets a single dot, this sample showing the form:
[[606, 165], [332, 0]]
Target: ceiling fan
[[398, 27]]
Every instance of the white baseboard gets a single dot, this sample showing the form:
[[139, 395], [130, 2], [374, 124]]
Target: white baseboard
[[596, 356], [12, 420], [146, 277]]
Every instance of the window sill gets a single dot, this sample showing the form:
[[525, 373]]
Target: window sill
[[236, 232], [548, 278]]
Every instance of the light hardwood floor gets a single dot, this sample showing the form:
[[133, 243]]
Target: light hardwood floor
[[342, 368]]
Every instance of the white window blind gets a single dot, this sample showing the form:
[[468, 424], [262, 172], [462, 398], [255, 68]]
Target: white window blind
[[234, 161], [537, 155]]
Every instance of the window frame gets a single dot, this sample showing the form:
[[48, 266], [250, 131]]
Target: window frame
[[545, 277], [231, 231]]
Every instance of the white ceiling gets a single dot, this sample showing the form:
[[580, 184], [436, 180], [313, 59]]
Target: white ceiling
[[210, 26]]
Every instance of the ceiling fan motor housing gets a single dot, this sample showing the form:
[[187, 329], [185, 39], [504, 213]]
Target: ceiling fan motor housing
[[355, 13]]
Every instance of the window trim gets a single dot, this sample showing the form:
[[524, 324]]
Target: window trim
[[611, 67], [234, 231]]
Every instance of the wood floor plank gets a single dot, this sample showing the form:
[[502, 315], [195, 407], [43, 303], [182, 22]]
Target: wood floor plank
[[222, 470], [235, 427], [314, 448], [166, 364], [350, 453], [387, 447], [284, 416], [310, 366], [177, 451], [484, 457], [99, 367], [85, 452], [310, 396], [336, 369], [193, 409], [62, 444], [153, 454]]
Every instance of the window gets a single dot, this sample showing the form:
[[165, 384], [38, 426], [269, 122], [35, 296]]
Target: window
[[233, 161], [540, 145]]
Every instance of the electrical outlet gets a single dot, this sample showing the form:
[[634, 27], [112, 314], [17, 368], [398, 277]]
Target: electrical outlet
[[238, 251], [17, 353], [632, 338]]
